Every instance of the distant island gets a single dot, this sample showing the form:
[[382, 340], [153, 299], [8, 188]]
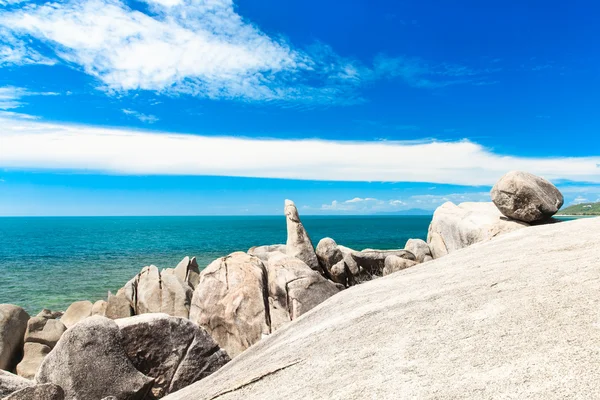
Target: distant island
[[581, 209]]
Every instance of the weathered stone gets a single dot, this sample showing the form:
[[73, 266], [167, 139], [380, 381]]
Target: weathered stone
[[76, 312], [328, 254], [117, 307], [372, 261], [50, 314], [263, 252], [454, 227], [420, 249], [46, 391], [526, 197], [512, 318], [99, 308], [10, 383], [188, 271], [33, 355], [174, 351], [89, 362], [395, 264], [298, 243], [340, 274], [231, 302], [13, 323], [43, 330], [295, 287]]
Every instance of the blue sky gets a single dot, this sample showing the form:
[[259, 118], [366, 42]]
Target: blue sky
[[109, 107]]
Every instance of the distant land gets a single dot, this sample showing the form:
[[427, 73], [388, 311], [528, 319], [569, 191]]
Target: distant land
[[411, 211], [581, 209]]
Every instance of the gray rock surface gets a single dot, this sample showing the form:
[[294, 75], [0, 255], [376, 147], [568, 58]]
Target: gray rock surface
[[395, 264], [117, 307], [45, 391], [511, 318], [33, 355], [372, 261], [174, 351], [187, 271], [329, 255], [526, 197], [46, 313], [13, 323], [420, 249], [298, 242], [263, 252], [89, 362], [10, 383], [454, 227], [76, 312], [231, 302], [43, 330], [99, 308]]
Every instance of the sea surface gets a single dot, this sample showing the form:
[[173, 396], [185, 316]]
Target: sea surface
[[49, 262]]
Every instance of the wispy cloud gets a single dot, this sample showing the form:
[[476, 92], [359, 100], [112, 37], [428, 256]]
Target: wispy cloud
[[148, 118], [28, 144], [11, 98], [202, 48]]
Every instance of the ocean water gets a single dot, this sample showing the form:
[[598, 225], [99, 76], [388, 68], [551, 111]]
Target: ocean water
[[52, 261]]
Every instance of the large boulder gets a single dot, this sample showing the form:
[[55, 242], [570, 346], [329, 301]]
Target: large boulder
[[89, 362], [45, 391], [117, 307], [10, 383], [454, 227], [99, 308], [372, 261], [526, 197], [263, 252], [231, 302], [294, 288], [329, 254], [187, 271], [511, 318], [420, 249], [298, 243], [174, 351], [46, 313], [394, 264], [153, 292], [76, 312], [13, 323], [33, 356], [41, 336]]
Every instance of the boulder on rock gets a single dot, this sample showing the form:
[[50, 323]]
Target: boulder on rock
[[372, 261], [394, 264], [187, 271], [329, 254], [76, 312], [117, 307], [10, 383], [172, 350], [13, 324], [298, 242], [89, 362], [45, 391], [263, 252], [231, 302], [420, 249], [294, 288], [454, 227], [526, 197], [41, 336]]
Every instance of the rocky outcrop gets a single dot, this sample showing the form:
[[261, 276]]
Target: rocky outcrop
[[45, 391], [420, 249], [13, 323], [153, 292], [454, 227], [514, 317], [294, 288], [117, 307], [76, 312], [298, 243], [50, 314], [395, 264], [231, 302], [89, 362], [329, 254], [526, 197], [41, 336], [263, 252], [372, 261], [99, 308], [187, 271], [10, 383], [174, 351]]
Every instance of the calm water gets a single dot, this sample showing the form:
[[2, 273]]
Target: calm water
[[51, 262]]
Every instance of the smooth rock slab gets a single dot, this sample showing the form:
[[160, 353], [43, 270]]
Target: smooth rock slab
[[13, 323], [174, 351], [76, 312], [46, 391], [526, 197], [89, 362]]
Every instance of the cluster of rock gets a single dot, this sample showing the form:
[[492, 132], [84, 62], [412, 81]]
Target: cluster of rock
[[164, 330]]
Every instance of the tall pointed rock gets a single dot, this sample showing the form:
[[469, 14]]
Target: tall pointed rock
[[298, 243]]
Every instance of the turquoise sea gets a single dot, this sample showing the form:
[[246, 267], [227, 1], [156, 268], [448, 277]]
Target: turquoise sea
[[52, 261]]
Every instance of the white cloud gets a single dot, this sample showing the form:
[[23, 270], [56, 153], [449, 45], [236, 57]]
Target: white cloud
[[14, 51], [199, 47], [579, 200], [10, 98], [148, 118], [27, 144]]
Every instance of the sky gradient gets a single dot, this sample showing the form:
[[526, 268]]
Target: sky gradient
[[180, 107]]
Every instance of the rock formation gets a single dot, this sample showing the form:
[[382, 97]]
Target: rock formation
[[513, 317], [45, 391], [420, 249], [10, 383], [298, 243], [454, 227], [526, 197], [394, 264], [263, 252], [76, 312], [41, 336], [89, 362], [187, 271], [13, 323], [372, 261]]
